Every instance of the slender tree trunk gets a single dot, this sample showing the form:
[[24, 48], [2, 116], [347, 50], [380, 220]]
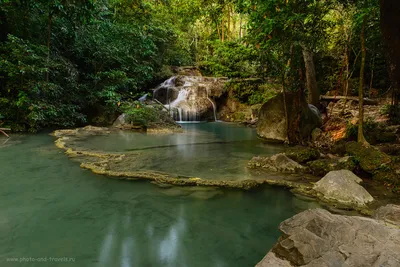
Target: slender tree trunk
[[284, 77], [361, 138], [311, 79], [390, 21], [240, 26], [233, 24], [223, 27], [229, 23], [347, 76], [49, 27], [219, 34]]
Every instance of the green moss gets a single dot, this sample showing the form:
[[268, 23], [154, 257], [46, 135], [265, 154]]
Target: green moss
[[370, 159], [302, 154], [323, 166]]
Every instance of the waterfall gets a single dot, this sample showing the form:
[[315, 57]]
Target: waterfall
[[213, 105], [188, 97]]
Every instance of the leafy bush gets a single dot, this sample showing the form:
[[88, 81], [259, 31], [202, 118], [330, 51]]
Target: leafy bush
[[252, 91], [141, 114], [29, 101], [230, 59]]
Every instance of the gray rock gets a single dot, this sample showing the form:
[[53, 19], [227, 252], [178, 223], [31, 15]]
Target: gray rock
[[317, 238], [271, 260], [120, 121], [272, 122], [343, 187], [389, 214], [276, 163]]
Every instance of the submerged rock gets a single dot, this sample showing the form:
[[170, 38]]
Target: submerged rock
[[302, 119], [343, 187], [276, 163], [317, 238]]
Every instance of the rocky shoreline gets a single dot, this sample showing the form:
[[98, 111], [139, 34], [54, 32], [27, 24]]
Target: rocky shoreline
[[317, 238]]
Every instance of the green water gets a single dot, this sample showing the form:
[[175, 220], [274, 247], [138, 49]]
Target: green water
[[218, 151], [50, 208]]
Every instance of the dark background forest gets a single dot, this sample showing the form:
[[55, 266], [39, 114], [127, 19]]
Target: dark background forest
[[65, 63]]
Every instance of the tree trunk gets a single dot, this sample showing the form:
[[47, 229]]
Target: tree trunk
[[240, 26], [4, 26], [311, 79], [284, 77], [223, 28], [49, 26], [229, 23], [219, 34], [234, 24], [390, 21], [361, 138], [347, 76]]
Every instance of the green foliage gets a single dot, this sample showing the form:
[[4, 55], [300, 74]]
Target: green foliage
[[28, 100], [252, 91], [230, 59], [63, 62], [140, 114]]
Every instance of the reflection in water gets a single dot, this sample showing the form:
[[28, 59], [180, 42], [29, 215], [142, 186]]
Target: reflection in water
[[127, 249], [107, 246], [170, 246], [50, 207], [216, 151]]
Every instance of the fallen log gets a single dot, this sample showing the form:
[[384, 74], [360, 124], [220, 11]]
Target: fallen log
[[367, 101], [158, 102], [1, 131]]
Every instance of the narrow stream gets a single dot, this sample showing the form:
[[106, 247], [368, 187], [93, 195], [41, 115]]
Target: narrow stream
[[51, 210]]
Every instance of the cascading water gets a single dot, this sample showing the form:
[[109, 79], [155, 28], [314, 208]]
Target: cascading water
[[213, 105], [188, 98]]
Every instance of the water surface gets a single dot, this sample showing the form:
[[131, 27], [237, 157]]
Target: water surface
[[51, 208], [218, 151]]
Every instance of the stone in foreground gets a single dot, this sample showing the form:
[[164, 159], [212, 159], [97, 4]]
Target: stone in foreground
[[343, 187], [317, 238], [389, 214]]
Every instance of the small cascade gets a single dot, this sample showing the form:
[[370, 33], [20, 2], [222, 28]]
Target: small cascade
[[188, 97], [213, 105]]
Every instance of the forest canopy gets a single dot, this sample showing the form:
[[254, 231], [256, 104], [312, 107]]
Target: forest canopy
[[70, 62]]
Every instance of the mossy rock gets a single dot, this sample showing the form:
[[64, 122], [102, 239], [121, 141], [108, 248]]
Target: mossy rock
[[339, 148], [370, 159], [302, 154], [321, 167], [389, 175]]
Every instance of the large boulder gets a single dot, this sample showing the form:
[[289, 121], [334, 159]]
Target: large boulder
[[276, 163], [343, 187], [317, 238], [302, 119]]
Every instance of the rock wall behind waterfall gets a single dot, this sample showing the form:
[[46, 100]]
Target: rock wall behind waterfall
[[190, 98]]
